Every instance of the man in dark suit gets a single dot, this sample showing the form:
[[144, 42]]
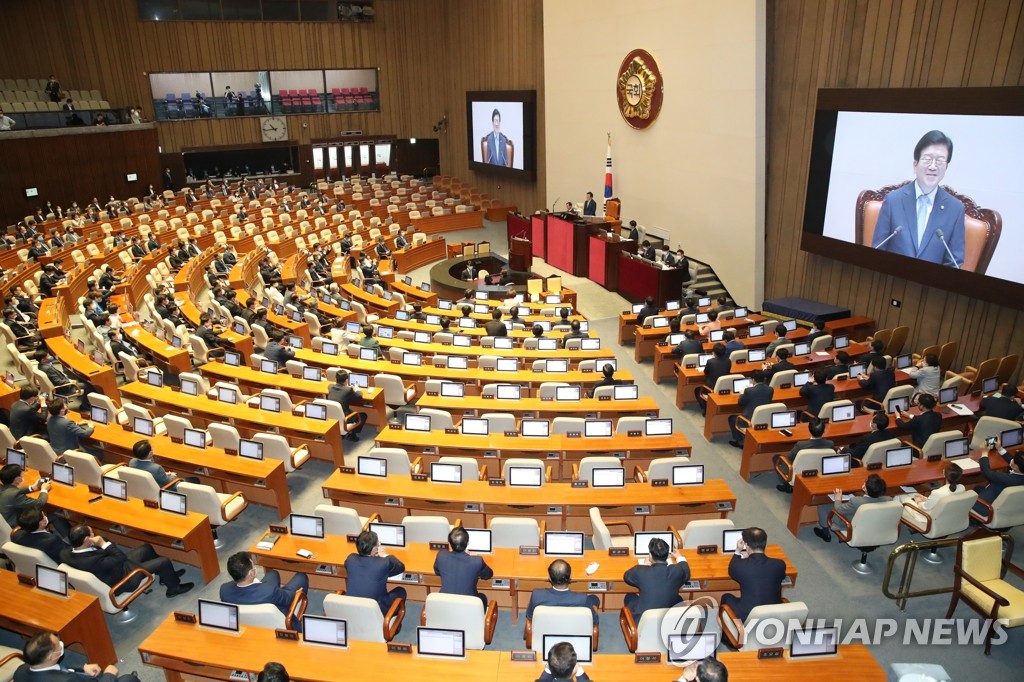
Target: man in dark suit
[[718, 366], [879, 381], [590, 206], [459, 569], [921, 220], [634, 231], [276, 351], [27, 417], [649, 310], [816, 427], [137, 250], [209, 337], [119, 344], [1005, 405], [563, 665], [752, 398], [469, 273], [496, 144], [998, 481], [65, 434], [879, 432], [646, 251], [657, 580], [368, 572], [781, 364], [818, 330], [33, 532], [922, 425], [607, 377], [14, 497], [689, 345], [43, 652], [560, 574], [575, 332], [342, 393], [877, 351], [494, 326], [818, 392], [111, 565], [247, 589], [759, 577], [874, 491], [841, 366]]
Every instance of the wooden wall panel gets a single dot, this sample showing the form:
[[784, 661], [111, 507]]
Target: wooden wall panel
[[880, 44]]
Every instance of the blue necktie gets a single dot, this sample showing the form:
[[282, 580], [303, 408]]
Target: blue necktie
[[922, 218]]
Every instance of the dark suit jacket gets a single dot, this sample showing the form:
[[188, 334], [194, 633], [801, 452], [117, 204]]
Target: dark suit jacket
[[817, 395], [900, 209], [13, 500], [860, 448], [109, 564], [644, 313], [495, 328], [689, 346], [26, 419], [659, 585], [921, 426], [267, 591], [879, 382], [754, 397], [760, 580], [368, 577], [590, 207], [26, 674], [716, 367], [48, 543], [549, 596], [1001, 407], [780, 366], [810, 443], [998, 481], [460, 572], [278, 353]]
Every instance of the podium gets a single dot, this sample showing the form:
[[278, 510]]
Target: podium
[[520, 255], [640, 278]]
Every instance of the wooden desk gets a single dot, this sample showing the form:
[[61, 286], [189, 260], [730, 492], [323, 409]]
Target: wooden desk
[[535, 408], [299, 389], [560, 505], [646, 339], [417, 255], [171, 360], [77, 619], [323, 438], [857, 328], [261, 481], [525, 355], [82, 367], [808, 493], [9, 395], [561, 452]]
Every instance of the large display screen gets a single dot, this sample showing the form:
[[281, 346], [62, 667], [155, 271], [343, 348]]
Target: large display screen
[[914, 183], [502, 132]]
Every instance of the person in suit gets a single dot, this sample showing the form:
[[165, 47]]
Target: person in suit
[[33, 531], [998, 481], [818, 392], [469, 273], [400, 242], [759, 576], [926, 374], [381, 249], [209, 337], [494, 326], [841, 365], [108, 562], [560, 575], [879, 432], [563, 665], [634, 231], [718, 366], [646, 251], [152, 244], [27, 417], [731, 342], [649, 310], [590, 206], [459, 569], [369, 569], [952, 475], [1005, 405], [137, 250], [369, 342], [607, 377], [575, 332], [342, 393], [922, 425], [276, 351], [752, 398], [921, 220], [14, 496], [816, 428], [42, 654], [689, 345], [229, 257], [496, 143], [142, 459], [780, 339], [781, 364], [56, 242], [709, 669], [65, 434], [119, 344], [877, 351], [874, 491], [246, 588], [879, 381], [817, 330], [657, 580]]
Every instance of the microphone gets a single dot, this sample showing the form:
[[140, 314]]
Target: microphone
[[942, 238], [554, 204], [899, 228]]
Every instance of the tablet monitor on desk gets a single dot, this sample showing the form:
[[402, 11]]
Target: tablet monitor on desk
[[421, 337], [218, 615], [703, 358], [316, 411], [445, 473], [462, 341], [636, 308], [372, 466], [353, 327], [790, 325], [570, 393], [306, 526], [658, 426], [433, 319], [251, 449], [507, 365], [63, 473], [755, 330], [716, 335], [402, 315], [685, 648], [15, 457], [359, 380], [990, 385], [503, 343], [739, 312], [453, 389], [312, 373], [474, 426], [324, 631], [591, 344], [547, 344], [563, 543], [154, 378], [783, 420], [176, 341], [411, 359], [729, 540], [688, 474], [482, 309], [857, 369], [535, 428], [173, 502], [480, 540], [440, 642], [270, 403], [507, 391], [672, 305], [835, 464], [190, 387], [740, 385], [98, 414], [801, 378], [556, 366], [51, 580], [625, 392], [608, 477], [368, 354], [239, 328], [115, 488], [948, 395], [142, 426], [458, 361], [842, 413], [902, 403], [526, 477], [296, 316], [425, 286], [1010, 438], [389, 534], [583, 645], [702, 318], [841, 342], [543, 324], [417, 422], [268, 366], [660, 322], [814, 642], [232, 358], [904, 361], [467, 323], [899, 457], [704, 302], [195, 438], [642, 541], [956, 447], [801, 348], [385, 332], [344, 305]]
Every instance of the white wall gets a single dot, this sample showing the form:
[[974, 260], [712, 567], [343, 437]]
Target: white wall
[[699, 172]]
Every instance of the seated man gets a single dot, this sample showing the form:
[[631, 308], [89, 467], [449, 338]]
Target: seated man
[[923, 425], [879, 432], [818, 392], [563, 665], [759, 576], [780, 338], [1005, 405], [816, 428], [43, 652], [756, 395], [246, 588], [142, 459], [33, 531], [926, 374], [560, 574], [494, 326], [64, 433], [213, 342], [874, 491], [998, 481], [707, 670], [27, 419], [840, 366], [607, 377], [276, 351], [343, 394], [657, 580], [718, 366], [14, 495], [106, 561], [368, 572], [369, 342], [879, 381], [649, 310], [575, 332], [459, 569], [690, 345]]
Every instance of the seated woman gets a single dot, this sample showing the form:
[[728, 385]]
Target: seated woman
[[928, 502]]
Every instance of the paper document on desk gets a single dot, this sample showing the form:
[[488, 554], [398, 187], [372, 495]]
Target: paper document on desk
[[909, 489], [961, 410], [822, 354], [967, 464]]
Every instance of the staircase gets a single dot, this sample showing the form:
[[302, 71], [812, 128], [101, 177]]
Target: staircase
[[705, 279]]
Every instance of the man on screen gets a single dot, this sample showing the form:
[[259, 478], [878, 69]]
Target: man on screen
[[920, 219], [495, 149]]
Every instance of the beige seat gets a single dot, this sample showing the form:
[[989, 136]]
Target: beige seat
[[396, 393], [646, 634], [140, 483], [1006, 511], [340, 520], [949, 516], [397, 459], [602, 535], [88, 470], [220, 508], [461, 612], [513, 532], [894, 393], [703, 532], [560, 620], [38, 454], [875, 454], [224, 436], [277, 447], [660, 467], [365, 621], [426, 529], [978, 580], [133, 412], [10, 659], [25, 559], [472, 469], [805, 460], [872, 526], [111, 602], [745, 637], [990, 427]]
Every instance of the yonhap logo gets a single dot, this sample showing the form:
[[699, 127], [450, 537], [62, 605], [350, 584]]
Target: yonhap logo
[[682, 625]]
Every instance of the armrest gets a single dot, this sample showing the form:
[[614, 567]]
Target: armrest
[[730, 625], [628, 626], [596, 633], [911, 524], [987, 518], [742, 423], [872, 405], [173, 482], [351, 421], [619, 522], [919, 453], [575, 471], [997, 598], [393, 619], [528, 633], [483, 472], [374, 518], [10, 657], [639, 475], [228, 501], [416, 465], [547, 474], [143, 586], [807, 416], [298, 606], [784, 468], [543, 527], [490, 621], [845, 534], [675, 533]]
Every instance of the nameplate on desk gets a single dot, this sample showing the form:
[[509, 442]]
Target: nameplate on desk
[[471, 507], [659, 482], [351, 538], [760, 427], [771, 652], [934, 458], [347, 470], [399, 648], [529, 550], [126, 427], [395, 362], [26, 580], [524, 656], [511, 434], [281, 633], [490, 453], [429, 451], [642, 509], [976, 394], [580, 484], [723, 506], [177, 441], [496, 482], [647, 326], [396, 427], [634, 434], [604, 397], [724, 391], [485, 396], [185, 617], [254, 406], [809, 473], [150, 504], [874, 466], [392, 501], [707, 549], [451, 431], [277, 528], [419, 477], [573, 434], [691, 585], [785, 386], [618, 551], [175, 389], [432, 393], [690, 365], [662, 344], [587, 371], [654, 657]]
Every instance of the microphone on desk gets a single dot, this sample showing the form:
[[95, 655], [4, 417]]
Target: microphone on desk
[[899, 228], [554, 204], [942, 238]]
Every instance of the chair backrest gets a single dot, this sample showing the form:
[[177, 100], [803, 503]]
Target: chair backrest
[[936, 443], [470, 465], [176, 425], [261, 616], [394, 389], [783, 377], [821, 343], [87, 469], [141, 483], [38, 454], [563, 425], [588, 464], [224, 436], [1008, 508], [83, 581], [648, 631], [981, 558], [425, 529], [903, 391], [523, 462], [988, 427], [806, 459], [602, 537], [792, 614], [25, 559], [514, 532], [365, 621], [456, 612], [205, 500], [725, 382], [549, 388], [763, 413], [705, 532], [876, 451], [5, 531], [339, 520], [876, 524], [627, 424], [560, 620], [397, 459], [500, 422], [826, 410], [951, 514], [661, 467]]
